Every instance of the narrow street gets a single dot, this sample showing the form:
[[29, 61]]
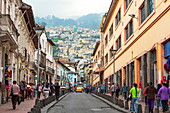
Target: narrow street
[[81, 103]]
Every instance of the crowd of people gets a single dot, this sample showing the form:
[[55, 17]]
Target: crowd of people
[[28, 91], [149, 94]]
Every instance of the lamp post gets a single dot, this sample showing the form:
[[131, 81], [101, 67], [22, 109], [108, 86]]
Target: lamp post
[[113, 53], [39, 30]]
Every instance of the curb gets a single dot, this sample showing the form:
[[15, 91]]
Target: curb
[[56, 102], [111, 104]]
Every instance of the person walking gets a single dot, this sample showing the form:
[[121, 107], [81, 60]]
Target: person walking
[[144, 93], [103, 89], [113, 89], [117, 91], [39, 90], [57, 91], [29, 90], [151, 94], [135, 95], [163, 93], [46, 91], [15, 91], [22, 90], [158, 101], [124, 90], [52, 89]]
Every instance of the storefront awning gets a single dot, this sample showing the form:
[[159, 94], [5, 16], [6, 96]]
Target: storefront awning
[[99, 70]]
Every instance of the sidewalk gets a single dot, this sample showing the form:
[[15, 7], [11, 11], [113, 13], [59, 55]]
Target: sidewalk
[[140, 102], [24, 107]]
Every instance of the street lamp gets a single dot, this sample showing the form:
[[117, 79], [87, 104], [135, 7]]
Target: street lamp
[[113, 53], [133, 16], [39, 30]]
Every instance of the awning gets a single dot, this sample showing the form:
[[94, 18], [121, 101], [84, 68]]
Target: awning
[[99, 70]]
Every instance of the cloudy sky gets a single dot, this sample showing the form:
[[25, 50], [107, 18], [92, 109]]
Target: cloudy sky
[[68, 8]]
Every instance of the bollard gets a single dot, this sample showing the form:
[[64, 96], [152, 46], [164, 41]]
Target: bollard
[[36, 101], [126, 105], [113, 100], [33, 110], [116, 101], [146, 109], [122, 104], [38, 110], [140, 108], [156, 110]]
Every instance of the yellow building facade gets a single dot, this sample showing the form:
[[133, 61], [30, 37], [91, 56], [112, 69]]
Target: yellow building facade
[[138, 31]]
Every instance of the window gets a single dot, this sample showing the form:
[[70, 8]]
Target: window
[[118, 17], [98, 54], [129, 30], [111, 30], [106, 40], [106, 58], [127, 2], [111, 52], [146, 9], [118, 43], [142, 14]]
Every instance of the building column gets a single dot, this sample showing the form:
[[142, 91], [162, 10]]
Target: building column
[[127, 77], [148, 60], [130, 76], [143, 71], [137, 71], [160, 56], [123, 76]]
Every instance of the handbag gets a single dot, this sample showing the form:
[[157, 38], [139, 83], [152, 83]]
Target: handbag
[[19, 100], [11, 94]]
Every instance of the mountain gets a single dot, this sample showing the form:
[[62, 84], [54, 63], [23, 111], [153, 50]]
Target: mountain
[[91, 21]]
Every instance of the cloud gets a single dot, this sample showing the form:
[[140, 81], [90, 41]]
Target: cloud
[[68, 8]]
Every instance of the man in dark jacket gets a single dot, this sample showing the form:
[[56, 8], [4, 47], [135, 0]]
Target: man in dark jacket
[[57, 91], [151, 93]]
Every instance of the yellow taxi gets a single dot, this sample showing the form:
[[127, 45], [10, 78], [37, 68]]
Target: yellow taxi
[[79, 89]]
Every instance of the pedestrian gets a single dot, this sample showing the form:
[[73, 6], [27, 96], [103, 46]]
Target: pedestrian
[[164, 80], [52, 89], [46, 91], [57, 91], [144, 93], [34, 87], [29, 90], [103, 89], [15, 91], [158, 103], [163, 93], [113, 89], [39, 90], [140, 88], [117, 91], [124, 90], [151, 94], [135, 95], [22, 89], [98, 89]]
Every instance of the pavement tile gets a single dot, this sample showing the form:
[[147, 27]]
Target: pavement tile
[[24, 107]]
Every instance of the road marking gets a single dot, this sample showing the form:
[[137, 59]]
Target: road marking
[[96, 109]]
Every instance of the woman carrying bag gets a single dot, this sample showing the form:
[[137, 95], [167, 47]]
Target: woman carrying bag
[[135, 97]]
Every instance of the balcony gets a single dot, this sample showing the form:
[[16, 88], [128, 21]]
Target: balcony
[[50, 70], [32, 66], [8, 31], [57, 77]]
